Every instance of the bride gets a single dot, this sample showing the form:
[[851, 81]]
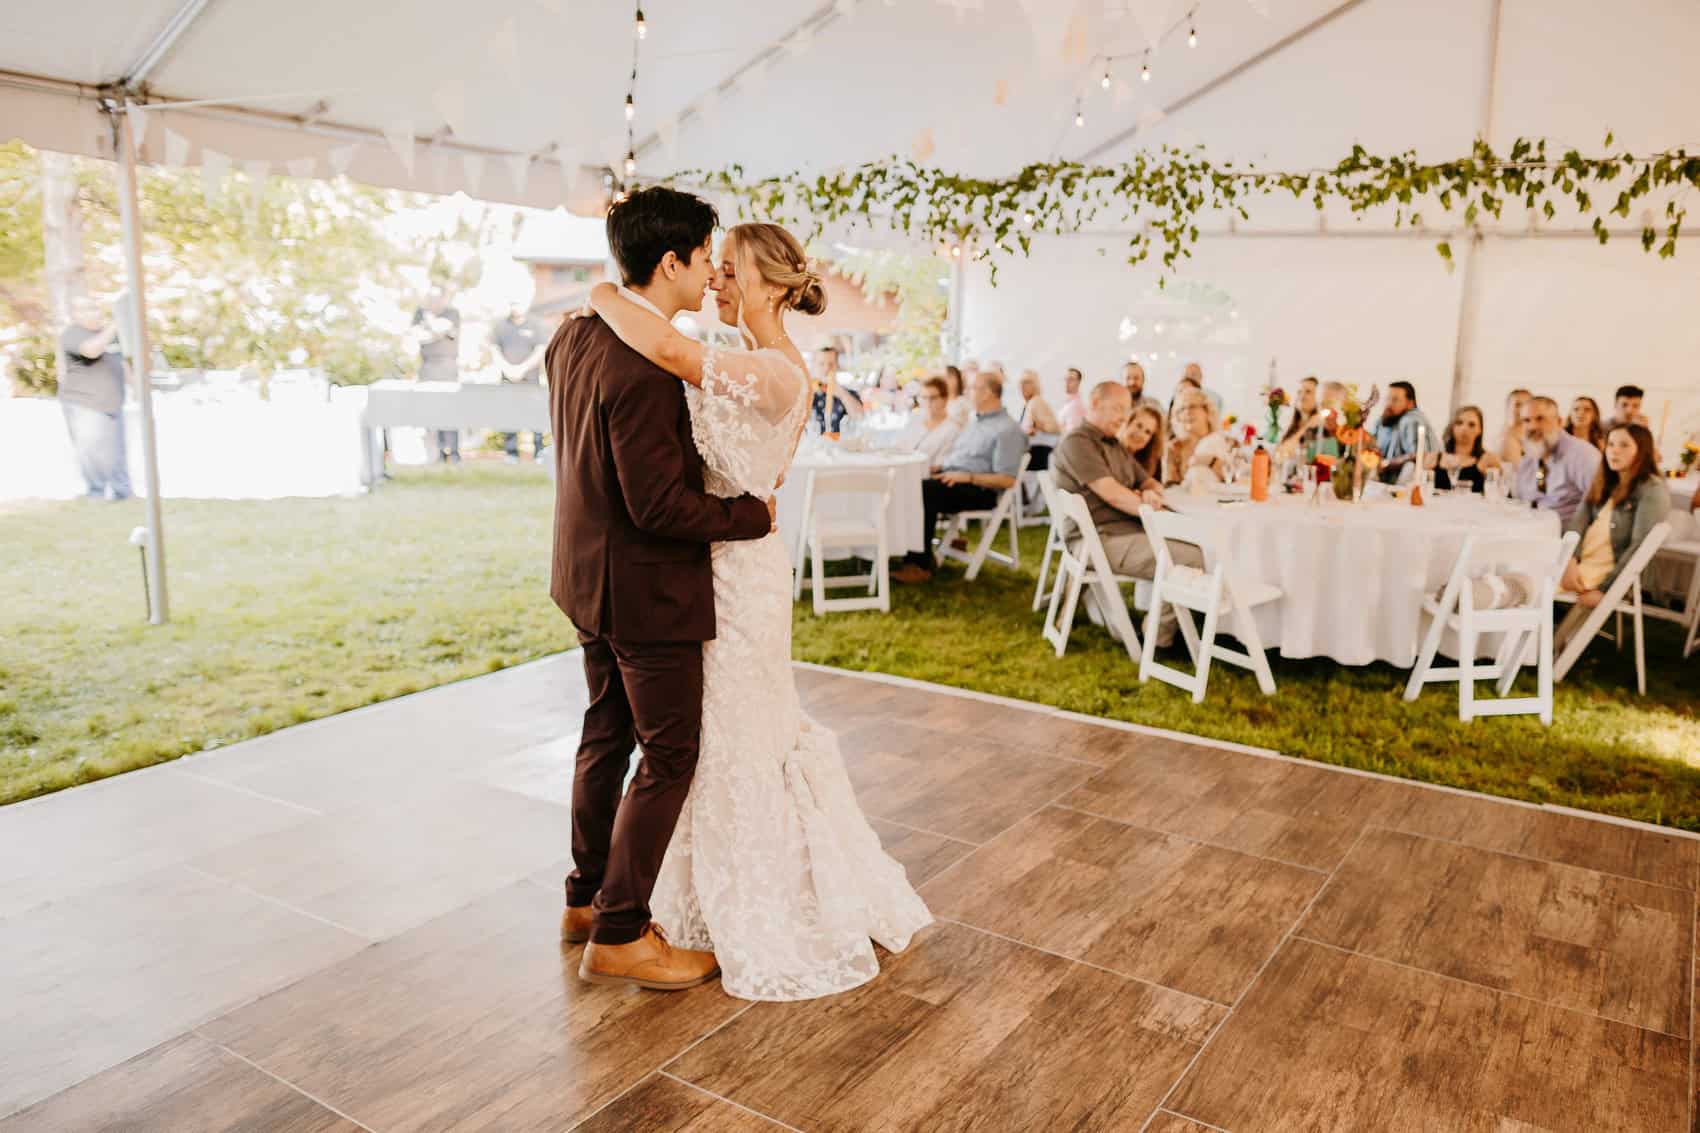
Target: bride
[[772, 866]]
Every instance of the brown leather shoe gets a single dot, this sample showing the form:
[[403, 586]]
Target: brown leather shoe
[[649, 961], [575, 925], [911, 574]]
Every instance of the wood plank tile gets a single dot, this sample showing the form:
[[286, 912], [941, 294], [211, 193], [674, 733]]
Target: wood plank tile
[[1628, 851], [87, 837], [963, 787], [1572, 937], [1326, 1040], [1272, 808], [1196, 918], [1165, 1122], [923, 856], [660, 1104], [102, 976], [186, 1085], [962, 1031], [383, 872], [477, 1020]]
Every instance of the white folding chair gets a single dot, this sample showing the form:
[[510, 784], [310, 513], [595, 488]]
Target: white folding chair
[[1047, 481], [1688, 616], [1543, 560], [1216, 592], [853, 532], [1628, 585], [1086, 565], [992, 520], [1026, 514]]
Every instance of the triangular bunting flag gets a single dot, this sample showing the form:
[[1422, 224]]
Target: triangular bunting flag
[[472, 166], [301, 168], [257, 171], [1000, 92], [341, 159], [176, 148], [450, 101], [519, 171], [922, 147], [214, 167], [400, 137], [436, 166]]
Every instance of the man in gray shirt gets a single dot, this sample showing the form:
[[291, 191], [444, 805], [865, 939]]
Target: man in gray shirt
[[519, 346], [438, 333], [981, 463], [1093, 463], [92, 398]]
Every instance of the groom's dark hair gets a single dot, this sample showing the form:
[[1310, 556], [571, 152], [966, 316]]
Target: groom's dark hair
[[652, 222]]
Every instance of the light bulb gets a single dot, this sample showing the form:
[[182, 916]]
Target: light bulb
[[1079, 118], [1145, 72], [955, 251], [1105, 81], [1133, 329], [642, 28], [1158, 328], [631, 108], [631, 163], [1192, 37], [1027, 218]]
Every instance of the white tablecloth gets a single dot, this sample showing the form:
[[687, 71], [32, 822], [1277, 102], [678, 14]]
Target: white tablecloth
[[902, 518], [1353, 576]]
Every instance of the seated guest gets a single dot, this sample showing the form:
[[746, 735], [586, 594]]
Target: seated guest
[[1038, 421], [1198, 442], [981, 463], [1557, 469], [1396, 433], [1463, 458], [1133, 377], [1510, 447], [1626, 408], [1073, 410], [930, 430], [1625, 501], [960, 407], [1301, 425], [1143, 436], [1094, 462], [1584, 422]]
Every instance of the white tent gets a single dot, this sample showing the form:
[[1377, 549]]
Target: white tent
[[523, 101]]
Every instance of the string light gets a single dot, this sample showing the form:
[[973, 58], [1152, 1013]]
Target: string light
[[1191, 36], [642, 28], [1105, 81], [956, 251], [1145, 71], [1079, 117], [1027, 218], [631, 162], [631, 108]]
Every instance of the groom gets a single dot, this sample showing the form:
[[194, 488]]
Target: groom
[[631, 569]]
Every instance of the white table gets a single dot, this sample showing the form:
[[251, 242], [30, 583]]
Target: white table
[[902, 518], [509, 406], [1353, 576]]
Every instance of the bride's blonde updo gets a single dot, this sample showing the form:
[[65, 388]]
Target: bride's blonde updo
[[778, 257]]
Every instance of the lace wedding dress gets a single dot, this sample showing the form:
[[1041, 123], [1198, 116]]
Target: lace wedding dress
[[772, 865]]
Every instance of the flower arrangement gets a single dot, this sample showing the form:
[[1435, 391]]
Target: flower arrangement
[[1276, 399], [1690, 454]]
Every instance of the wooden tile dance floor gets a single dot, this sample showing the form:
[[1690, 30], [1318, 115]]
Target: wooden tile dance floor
[[351, 925]]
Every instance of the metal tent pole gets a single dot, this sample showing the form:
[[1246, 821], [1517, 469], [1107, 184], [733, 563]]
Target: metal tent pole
[[129, 215]]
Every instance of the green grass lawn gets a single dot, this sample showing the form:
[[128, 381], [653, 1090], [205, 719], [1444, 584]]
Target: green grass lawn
[[287, 610]]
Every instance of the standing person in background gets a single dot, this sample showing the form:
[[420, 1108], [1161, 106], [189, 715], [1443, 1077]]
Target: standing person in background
[[519, 356], [1133, 377], [1038, 421], [1584, 422], [1510, 445], [827, 390], [437, 328], [91, 396], [1073, 409]]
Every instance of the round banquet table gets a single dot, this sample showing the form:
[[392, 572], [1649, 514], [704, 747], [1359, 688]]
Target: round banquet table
[[902, 518], [1353, 576], [1668, 575]]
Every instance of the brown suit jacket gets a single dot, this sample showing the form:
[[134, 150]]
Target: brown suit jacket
[[632, 522]]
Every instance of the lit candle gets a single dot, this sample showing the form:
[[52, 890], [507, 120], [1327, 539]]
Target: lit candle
[[1422, 444]]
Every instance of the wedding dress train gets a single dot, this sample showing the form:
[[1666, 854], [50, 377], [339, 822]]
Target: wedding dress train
[[772, 865]]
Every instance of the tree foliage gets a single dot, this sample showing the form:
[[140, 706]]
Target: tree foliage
[[918, 283]]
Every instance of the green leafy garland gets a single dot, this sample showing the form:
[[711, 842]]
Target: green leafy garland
[[1169, 189]]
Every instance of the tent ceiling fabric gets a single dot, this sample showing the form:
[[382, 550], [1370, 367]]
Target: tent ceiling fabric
[[994, 81]]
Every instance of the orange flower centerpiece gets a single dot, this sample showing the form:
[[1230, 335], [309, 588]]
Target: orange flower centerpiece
[[1348, 476]]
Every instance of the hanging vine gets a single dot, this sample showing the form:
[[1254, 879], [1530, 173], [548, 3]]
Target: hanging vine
[[1163, 194]]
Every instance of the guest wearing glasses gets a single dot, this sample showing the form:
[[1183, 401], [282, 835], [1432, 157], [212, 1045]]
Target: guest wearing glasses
[[1464, 458], [1198, 442], [1625, 501], [1510, 447], [931, 431], [1584, 422], [1557, 469]]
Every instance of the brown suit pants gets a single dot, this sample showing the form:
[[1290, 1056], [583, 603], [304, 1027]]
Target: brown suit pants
[[647, 694]]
